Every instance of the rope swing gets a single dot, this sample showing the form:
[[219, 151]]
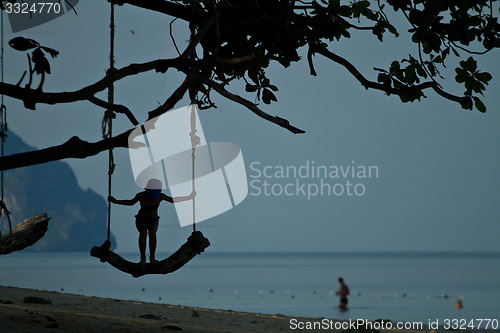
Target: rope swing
[[107, 121], [195, 141], [196, 243]]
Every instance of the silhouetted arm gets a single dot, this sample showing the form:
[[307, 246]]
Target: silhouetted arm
[[130, 202], [178, 199]]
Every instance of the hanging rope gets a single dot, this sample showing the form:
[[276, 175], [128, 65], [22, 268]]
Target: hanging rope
[[3, 130], [107, 121], [3, 109], [195, 141]]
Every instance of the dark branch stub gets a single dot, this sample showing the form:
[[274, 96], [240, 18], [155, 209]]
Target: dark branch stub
[[25, 234]]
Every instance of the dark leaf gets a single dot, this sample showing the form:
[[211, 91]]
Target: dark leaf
[[380, 69], [469, 64], [53, 53], [384, 78], [251, 87], [363, 4], [344, 11], [479, 104], [268, 96], [461, 75], [272, 87], [41, 64], [484, 77], [23, 44], [392, 30], [421, 71], [467, 105]]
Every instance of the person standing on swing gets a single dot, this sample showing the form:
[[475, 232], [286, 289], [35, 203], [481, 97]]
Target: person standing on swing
[[146, 220]]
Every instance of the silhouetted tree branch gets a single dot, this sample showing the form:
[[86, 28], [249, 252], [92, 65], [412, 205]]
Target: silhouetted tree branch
[[161, 6], [73, 148], [31, 97], [78, 148], [463, 101], [239, 39], [251, 106]]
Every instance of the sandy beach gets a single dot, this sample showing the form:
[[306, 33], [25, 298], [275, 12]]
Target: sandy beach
[[74, 313], [30, 311]]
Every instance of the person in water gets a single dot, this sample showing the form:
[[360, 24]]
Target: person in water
[[342, 293], [146, 220]]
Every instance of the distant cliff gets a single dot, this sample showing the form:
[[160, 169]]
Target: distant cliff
[[78, 217]]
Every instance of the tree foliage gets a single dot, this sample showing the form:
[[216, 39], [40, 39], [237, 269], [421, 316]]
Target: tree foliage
[[237, 40]]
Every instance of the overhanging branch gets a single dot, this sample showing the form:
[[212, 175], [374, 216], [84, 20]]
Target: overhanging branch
[[77, 148], [73, 148], [251, 106], [161, 6], [463, 101], [31, 97]]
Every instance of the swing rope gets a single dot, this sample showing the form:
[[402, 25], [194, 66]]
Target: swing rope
[[107, 121], [3, 129], [195, 141], [3, 109]]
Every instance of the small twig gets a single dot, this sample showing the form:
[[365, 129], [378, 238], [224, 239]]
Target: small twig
[[190, 49], [31, 72], [310, 54], [422, 63], [172, 36], [115, 107], [350, 25], [382, 11], [73, 8], [21, 79], [469, 51], [217, 28], [42, 80]]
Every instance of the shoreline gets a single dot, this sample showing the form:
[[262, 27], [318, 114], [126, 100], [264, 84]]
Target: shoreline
[[76, 313], [86, 314]]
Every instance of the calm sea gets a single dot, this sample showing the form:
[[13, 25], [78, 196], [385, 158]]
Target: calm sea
[[400, 287]]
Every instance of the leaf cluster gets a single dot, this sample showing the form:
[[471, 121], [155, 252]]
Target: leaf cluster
[[444, 27], [275, 30], [40, 63]]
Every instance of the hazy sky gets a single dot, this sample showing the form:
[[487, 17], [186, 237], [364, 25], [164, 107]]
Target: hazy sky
[[436, 182]]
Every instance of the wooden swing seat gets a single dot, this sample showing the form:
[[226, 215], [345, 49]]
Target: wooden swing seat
[[24, 234], [196, 243]]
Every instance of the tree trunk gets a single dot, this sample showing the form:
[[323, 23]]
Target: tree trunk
[[24, 234], [195, 244]]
